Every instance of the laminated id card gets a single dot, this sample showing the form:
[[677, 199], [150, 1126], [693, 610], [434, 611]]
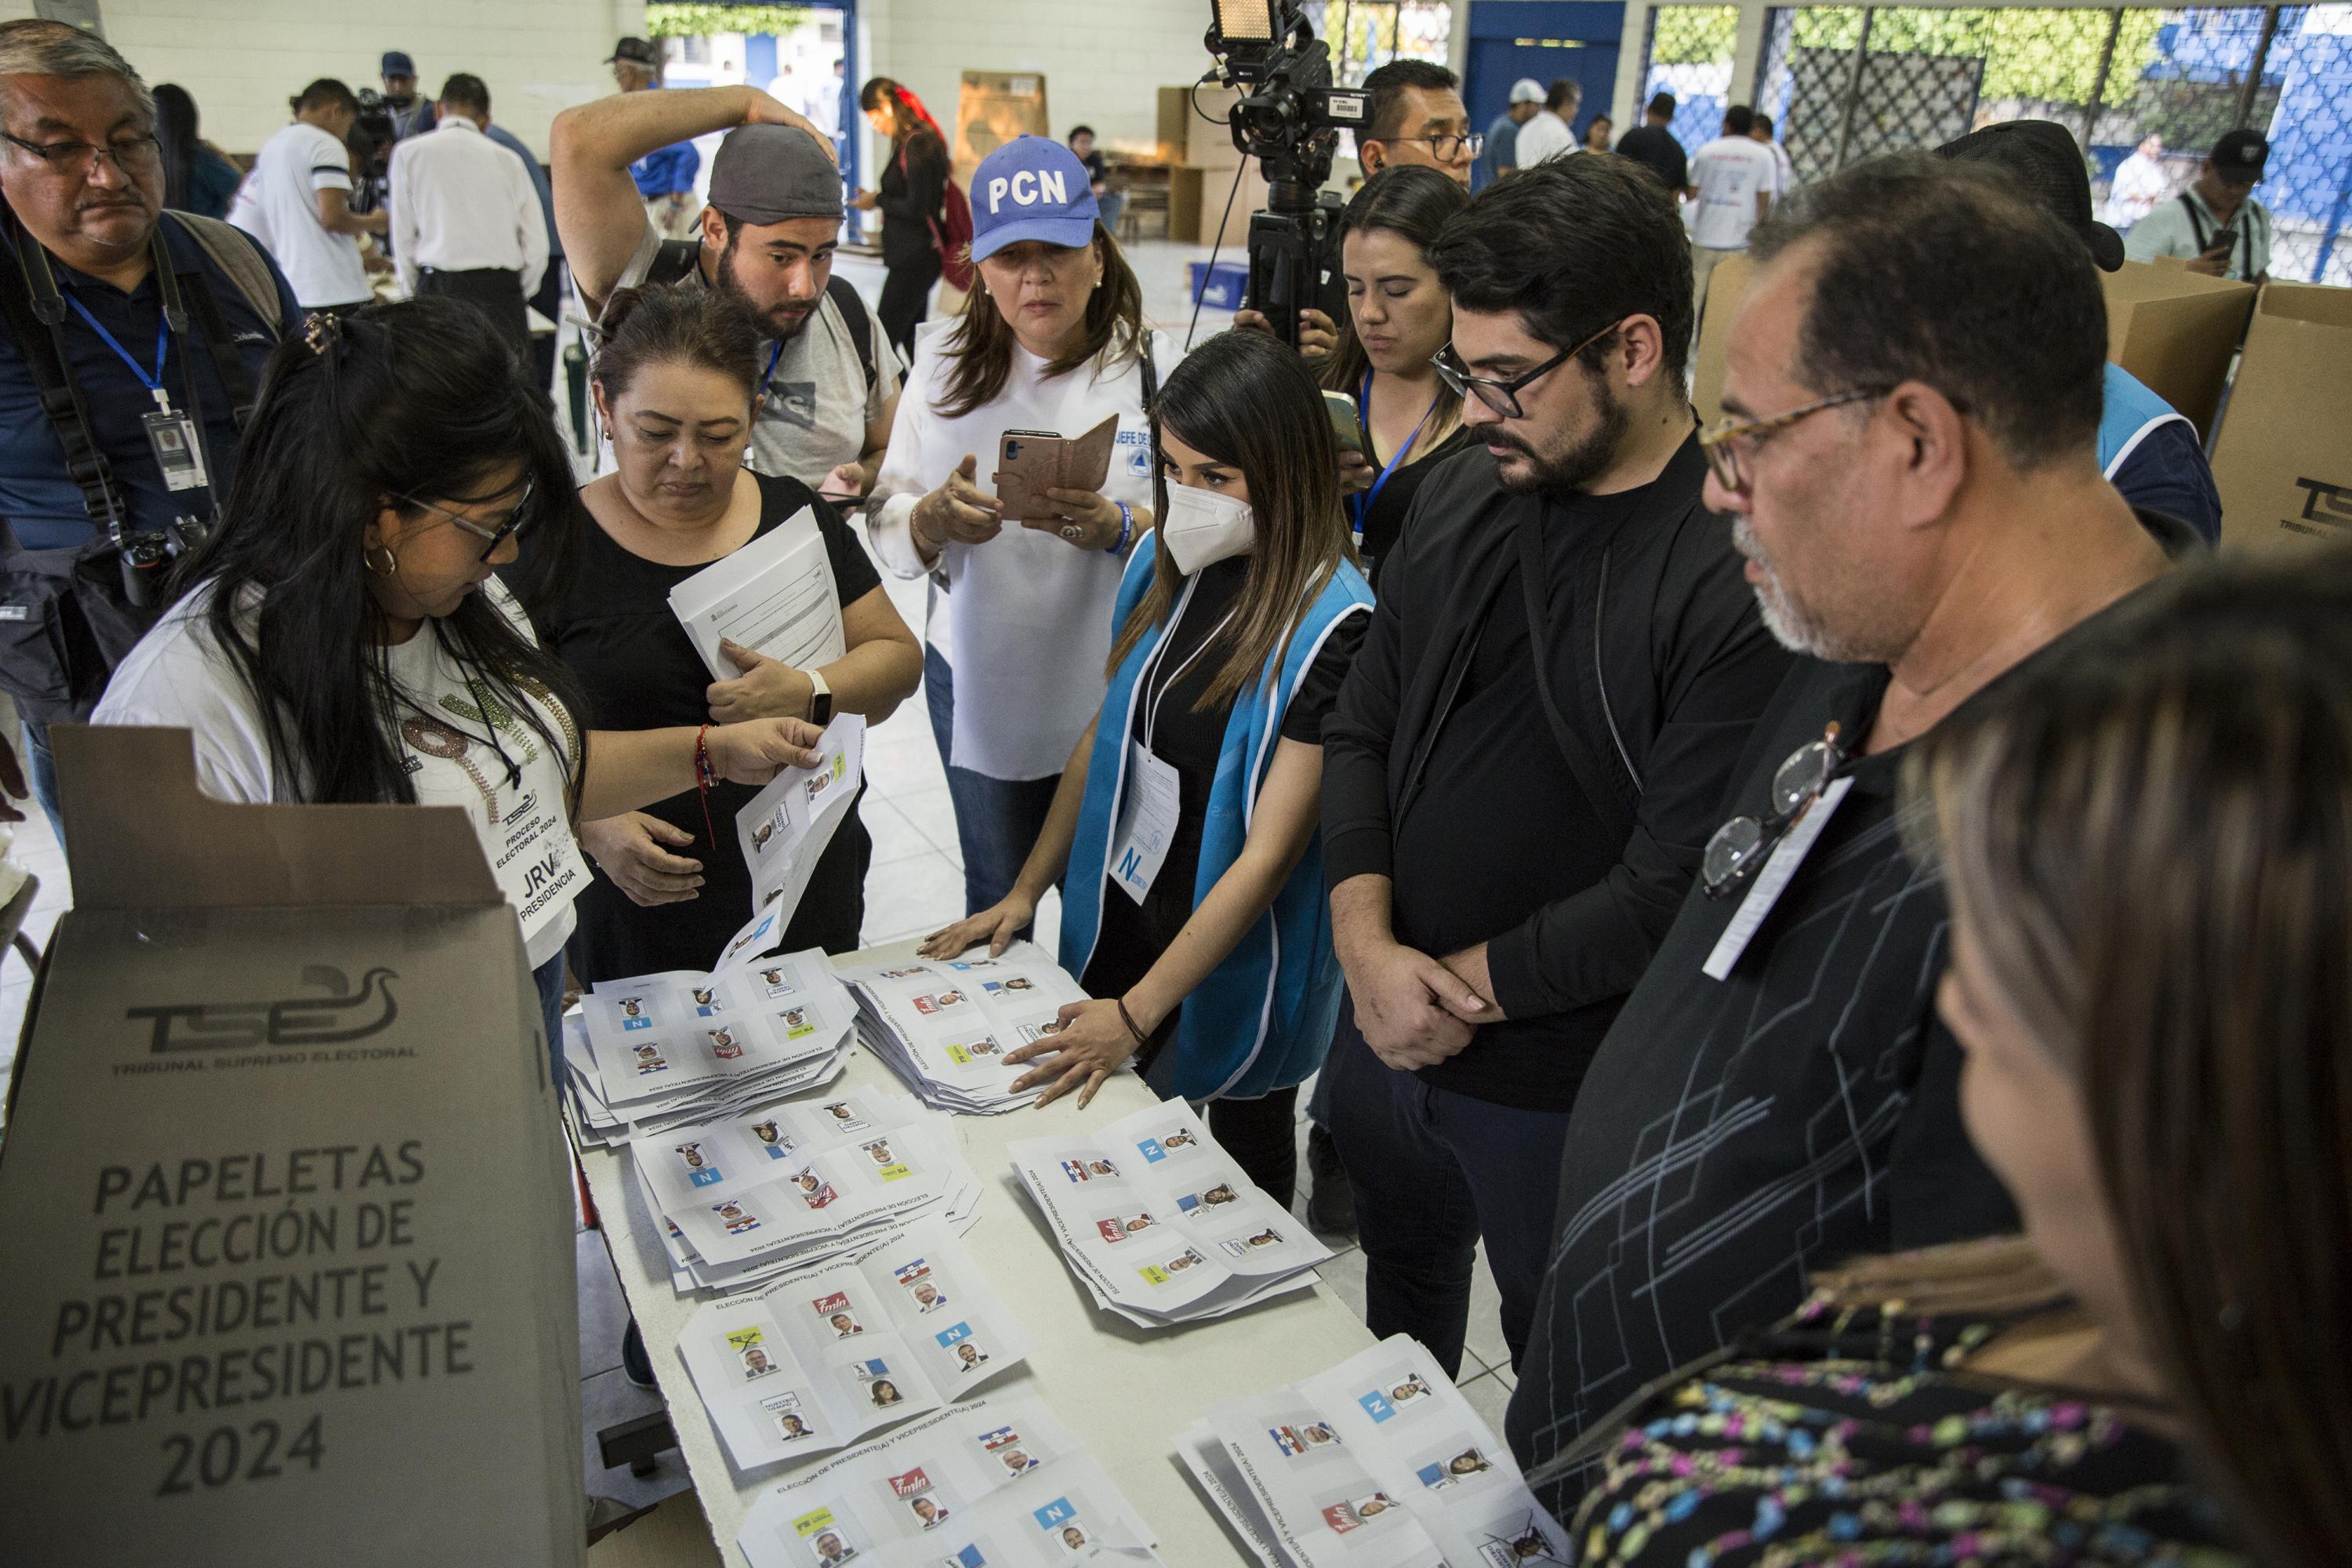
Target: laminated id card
[[172, 436], [1148, 808]]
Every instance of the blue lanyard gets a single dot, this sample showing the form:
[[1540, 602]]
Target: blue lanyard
[[773, 355], [153, 383], [1364, 500]]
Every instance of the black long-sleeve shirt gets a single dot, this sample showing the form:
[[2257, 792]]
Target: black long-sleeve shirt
[[913, 186], [1540, 770]]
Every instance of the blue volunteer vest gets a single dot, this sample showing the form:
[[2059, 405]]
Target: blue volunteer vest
[[2129, 412], [1262, 1018]]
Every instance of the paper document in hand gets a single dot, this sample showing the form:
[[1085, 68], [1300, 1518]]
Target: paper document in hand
[[1377, 1462], [775, 595], [905, 1326], [786, 826], [1159, 1221], [995, 1483]]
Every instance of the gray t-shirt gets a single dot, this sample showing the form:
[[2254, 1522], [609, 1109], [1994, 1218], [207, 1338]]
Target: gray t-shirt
[[819, 402]]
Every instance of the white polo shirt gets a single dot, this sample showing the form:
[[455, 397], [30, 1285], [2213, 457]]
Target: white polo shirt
[[288, 172], [1731, 171]]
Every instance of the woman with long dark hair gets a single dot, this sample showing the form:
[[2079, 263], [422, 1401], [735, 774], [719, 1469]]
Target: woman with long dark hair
[[1053, 341], [911, 195], [1237, 622], [2146, 836], [340, 637], [677, 377], [197, 176], [1398, 316]]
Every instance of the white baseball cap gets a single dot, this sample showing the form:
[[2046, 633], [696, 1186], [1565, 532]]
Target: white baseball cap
[[1527, 89]]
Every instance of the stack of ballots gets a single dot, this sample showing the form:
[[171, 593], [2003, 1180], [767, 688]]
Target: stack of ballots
[[1159, 1221], [946, 1025], [1378, 1463], [749, 1196]]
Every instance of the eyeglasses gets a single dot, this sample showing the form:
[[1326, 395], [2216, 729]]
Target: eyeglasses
[[1502, 395], [516, 521], [1446, 148], [131, 154], [1731, 437], [1741, 844]]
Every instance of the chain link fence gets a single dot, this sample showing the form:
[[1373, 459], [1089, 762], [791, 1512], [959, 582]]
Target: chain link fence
[[1364, 35], [2146, 91], [1688, 53]]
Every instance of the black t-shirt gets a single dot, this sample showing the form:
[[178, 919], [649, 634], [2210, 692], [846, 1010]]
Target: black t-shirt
[[1134, 935], [1654, 148], [617, 635], [1499, 811], [1097, 167], [1382, 521]]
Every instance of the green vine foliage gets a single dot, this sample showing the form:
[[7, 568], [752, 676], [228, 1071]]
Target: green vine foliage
[[1693, 34], [706, 17], [2032, 53]]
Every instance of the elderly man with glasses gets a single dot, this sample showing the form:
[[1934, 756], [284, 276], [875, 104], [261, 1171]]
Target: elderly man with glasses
[[1529, 755], [1910, 460], [130, 348]]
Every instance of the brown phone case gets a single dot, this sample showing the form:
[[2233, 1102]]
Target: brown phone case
[[1031, 462]]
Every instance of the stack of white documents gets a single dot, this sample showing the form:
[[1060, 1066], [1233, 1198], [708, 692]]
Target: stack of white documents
[[825, 1355], [1378, 1463], [996, 1482], [946, 1025], [660, 1051], [743, 1199], [1160, 1223]]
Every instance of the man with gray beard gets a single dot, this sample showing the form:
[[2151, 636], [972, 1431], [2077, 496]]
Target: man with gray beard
[[1910, 458]]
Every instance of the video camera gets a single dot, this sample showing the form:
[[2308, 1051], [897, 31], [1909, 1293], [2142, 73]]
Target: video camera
[[1289, 118]]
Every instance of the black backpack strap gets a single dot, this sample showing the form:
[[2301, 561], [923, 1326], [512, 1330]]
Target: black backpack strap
[[36, 314], [2196, 223], [858, 320]]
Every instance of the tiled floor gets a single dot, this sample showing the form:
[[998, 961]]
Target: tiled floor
[[916, 885]]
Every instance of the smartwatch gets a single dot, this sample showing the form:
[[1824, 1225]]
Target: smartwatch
[[819, 700]]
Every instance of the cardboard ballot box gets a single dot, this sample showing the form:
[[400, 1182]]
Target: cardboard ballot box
[[286, 1258], [2284, 461]]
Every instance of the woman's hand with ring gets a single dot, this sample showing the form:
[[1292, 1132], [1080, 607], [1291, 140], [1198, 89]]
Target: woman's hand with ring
[[1085, 519]]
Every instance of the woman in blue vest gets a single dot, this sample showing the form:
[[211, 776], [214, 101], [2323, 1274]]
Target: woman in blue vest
[[1193, 905]]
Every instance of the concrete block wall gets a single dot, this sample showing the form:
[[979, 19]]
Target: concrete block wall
[[242, 59]]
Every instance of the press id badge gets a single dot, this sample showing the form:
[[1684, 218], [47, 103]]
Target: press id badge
[[1773, 881], [172, 436], [1148, 809]]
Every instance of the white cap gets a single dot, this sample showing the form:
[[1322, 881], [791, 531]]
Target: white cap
[[1527, 89]]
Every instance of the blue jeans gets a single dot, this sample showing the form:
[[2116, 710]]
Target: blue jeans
[[1434, 1171], [41, 773], [997, 820], [550, 977]]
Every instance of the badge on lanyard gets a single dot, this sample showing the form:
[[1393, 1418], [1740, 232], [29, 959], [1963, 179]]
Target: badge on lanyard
[[172, 436], [1148, 809]]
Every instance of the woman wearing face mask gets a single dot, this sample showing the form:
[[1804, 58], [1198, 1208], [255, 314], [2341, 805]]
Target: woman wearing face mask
[[2147, 842], [1238, 624], [340, 637], [676, 378], [1053, 341], [1397, 317], [911, 191]]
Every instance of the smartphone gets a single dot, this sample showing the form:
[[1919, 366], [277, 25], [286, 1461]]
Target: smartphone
[[1347, 426], [1028, 464], [2225, 242]]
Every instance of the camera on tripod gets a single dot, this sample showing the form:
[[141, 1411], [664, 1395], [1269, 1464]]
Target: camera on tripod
[[1288, 118]]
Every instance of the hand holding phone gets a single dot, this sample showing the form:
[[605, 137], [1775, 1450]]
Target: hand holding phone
[[1347, 425]]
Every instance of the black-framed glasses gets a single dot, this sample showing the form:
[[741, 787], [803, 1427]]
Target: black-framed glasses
[[1742, 844], [65, 157], [1731, 438], [1448, 148], [1502, 395], [516, 521]]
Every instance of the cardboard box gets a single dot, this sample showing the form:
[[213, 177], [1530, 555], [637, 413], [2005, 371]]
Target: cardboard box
[[992, 108], [2284, 461], [1197, 136], [286, 1232], [2176, 330], [1197, 201]]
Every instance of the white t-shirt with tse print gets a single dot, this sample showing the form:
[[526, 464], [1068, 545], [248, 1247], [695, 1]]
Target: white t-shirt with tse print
[[1730, 173], [179, 676]]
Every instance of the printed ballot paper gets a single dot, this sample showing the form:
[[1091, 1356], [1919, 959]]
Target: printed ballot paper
[[1159, 1221], [787, 825], [995, 1483], [825, 1355], [1378, 1463], [775, 596], [945, 1026]]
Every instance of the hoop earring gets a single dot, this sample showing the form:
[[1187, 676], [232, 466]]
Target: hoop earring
[[368, 557]]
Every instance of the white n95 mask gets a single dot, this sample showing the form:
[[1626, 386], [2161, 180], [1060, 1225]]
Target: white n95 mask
[[1202, 528]]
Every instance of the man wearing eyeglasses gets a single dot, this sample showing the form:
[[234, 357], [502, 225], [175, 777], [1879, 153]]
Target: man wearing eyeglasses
[[1417, 117], [117, 423], [1531, 747], [1910, 459]]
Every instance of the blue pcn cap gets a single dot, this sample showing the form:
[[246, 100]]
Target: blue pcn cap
[[1031, 188]]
